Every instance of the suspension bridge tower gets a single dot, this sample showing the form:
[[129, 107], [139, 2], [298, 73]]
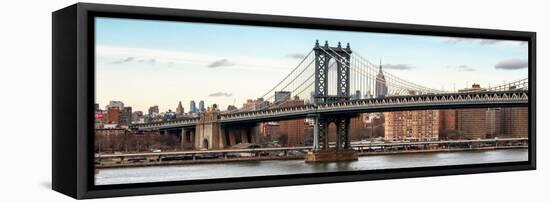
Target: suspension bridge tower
[[321, 151]]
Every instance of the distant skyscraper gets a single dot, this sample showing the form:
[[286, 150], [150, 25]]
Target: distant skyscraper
[[281, 96], [154, 110], [192, 107], [357, 95], [179, 109], [201, 106], [381, 87]]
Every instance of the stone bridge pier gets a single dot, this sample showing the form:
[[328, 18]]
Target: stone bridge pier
[[210, 134]]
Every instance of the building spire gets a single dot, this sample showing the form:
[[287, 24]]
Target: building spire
[[380, 65]]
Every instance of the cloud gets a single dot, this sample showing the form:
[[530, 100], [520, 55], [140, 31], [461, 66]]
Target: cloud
[[108, 54], [465, 68], [488, 41], [511, 64], [483, 42], [296, 56], [458, 40], [135, 60], [221, 63], [220, 94], [398, 66], [124, 60]]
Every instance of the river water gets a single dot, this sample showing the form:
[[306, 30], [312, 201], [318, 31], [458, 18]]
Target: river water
[[282, 167]]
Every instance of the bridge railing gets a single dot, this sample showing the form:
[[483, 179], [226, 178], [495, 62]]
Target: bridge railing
[[482, 97]]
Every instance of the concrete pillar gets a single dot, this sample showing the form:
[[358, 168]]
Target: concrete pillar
[[255, 133], [192, 133], [244, 134], [315, 133], [182, 138]]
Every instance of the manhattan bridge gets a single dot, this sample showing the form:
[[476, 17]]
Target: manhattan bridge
[[337, 84]]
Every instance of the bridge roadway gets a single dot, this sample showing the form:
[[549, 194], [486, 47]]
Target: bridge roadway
[[355, 145], [418, 102]]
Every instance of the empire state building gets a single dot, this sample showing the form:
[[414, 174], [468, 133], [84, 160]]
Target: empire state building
[[381, 87]]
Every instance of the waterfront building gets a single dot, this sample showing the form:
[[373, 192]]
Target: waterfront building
[[515, 122], [418, 125], [494, 118], [472, 123], [448, 123], [293, 129]]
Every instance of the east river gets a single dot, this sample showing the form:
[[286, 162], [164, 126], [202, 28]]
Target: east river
[[284, 167]]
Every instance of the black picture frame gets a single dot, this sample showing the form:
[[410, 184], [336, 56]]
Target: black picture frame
[[73, 99]]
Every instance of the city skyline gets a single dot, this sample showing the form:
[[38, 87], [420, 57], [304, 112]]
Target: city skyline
[[169, 61]]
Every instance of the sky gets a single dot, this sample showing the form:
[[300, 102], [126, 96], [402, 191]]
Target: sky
[[148, 62]]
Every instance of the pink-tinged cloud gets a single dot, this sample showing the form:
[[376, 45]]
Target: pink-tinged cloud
[[512, 64]]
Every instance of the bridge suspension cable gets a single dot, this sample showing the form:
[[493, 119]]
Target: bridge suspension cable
[[397, 81], [363, 79], [291, 72]]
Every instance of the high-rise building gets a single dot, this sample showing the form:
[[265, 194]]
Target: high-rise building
[[381, 87], [201, 106], [153, 110], [357, 127], [472, 123], [125, 117], [357, 95], [179, 109], [448, 124], [113, 115], [136, 116], [294, 129], [412, 125], [192, 107], [515, 122], [493, 117], [281, 96]]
